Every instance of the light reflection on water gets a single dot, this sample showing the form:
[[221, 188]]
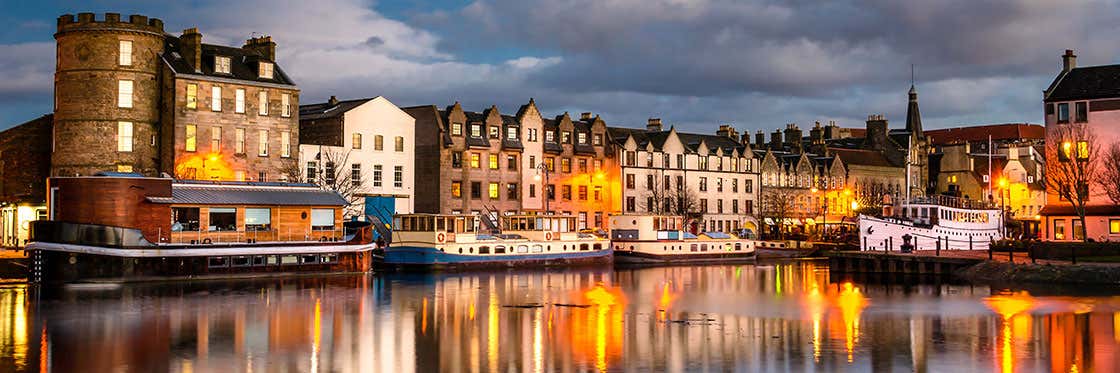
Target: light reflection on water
[[779, 317]]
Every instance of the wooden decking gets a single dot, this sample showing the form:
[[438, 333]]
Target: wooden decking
[[924, 262]]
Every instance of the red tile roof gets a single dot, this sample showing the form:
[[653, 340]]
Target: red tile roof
[[1007, 131]]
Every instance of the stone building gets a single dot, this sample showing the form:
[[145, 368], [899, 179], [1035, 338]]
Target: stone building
[[24, 167], [131, 98], [576, 171], [712, 180]]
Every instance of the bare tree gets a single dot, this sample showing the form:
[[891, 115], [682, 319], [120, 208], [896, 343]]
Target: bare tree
[[293, 172], [659, 198], [334, 173], [777, 205], [1110, 173], [1074, 147]]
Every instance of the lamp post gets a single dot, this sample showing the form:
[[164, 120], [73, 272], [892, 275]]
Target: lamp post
[[542, 169], [1002, 209]]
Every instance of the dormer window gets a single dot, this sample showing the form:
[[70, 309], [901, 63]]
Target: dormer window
[[495, 132], [264, 70], [476, 130], [221, 64], [549, 136], [582, 138], [511, 133]]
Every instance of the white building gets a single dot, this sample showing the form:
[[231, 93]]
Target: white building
[[719, 173], [369, 142]]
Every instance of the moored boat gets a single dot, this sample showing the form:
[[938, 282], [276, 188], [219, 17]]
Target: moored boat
[[932, 222], [657, 239], [432, 241]]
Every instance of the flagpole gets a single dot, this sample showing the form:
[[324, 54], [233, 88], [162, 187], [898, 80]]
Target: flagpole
[[990, 195]]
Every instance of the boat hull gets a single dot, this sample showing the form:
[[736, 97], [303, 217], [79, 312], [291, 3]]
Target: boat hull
[[644, 258], [775, 253], [884, 235], [416, 257]]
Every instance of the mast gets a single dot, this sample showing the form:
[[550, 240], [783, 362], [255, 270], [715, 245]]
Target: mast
[[990, 181], [909, 149]]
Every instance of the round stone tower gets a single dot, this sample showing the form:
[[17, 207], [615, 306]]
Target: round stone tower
[[98, 125]]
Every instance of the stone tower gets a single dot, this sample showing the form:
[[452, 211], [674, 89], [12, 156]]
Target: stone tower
[[98, 125]]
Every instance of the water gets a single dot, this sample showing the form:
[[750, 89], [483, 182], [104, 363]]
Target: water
[[779, 317]]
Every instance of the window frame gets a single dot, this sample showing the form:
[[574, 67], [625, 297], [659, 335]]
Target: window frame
[[125, 141], [126, 92]]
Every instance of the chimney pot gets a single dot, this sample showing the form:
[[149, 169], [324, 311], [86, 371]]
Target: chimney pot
[[332, 101]]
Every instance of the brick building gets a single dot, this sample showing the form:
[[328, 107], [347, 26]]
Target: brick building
[[131, 98], [24, 167]]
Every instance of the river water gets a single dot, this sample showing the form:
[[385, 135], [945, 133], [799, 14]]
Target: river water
[[774, 317]]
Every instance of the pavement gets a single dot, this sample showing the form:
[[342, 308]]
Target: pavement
[[998, 256], [12, 253]]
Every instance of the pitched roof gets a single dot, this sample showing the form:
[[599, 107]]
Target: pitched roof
[[1004, 131], [267, 194], [862, 157], [432, 117], [243, 63], [1083, 83], [326, 110]]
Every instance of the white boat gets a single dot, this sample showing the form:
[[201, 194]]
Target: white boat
[[656, 239], [932, 222]]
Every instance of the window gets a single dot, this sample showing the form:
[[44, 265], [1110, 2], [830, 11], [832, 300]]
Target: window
[[191, 138], [511, 162], [239, 101], [262, 143], [703, 184], [456, 129], [124, 168], [532, 135], [329, 174], [285, 144], [1114, 226], [597, 139], [532, 191], [215, 139], [378, 142], [124, 136], [1081, 109], [581, 138], [356, 174], [239, 141], [566, 192], [734, 206], [258, 219], [476, 190], [649, 182], [549, 136], [124, 93], [1063, 113], [629, 181], [216, 98], [376, 175], [457, 189], [495, 132], [511, 191], [550, 164], [476, 130], [398, 143], [734, 185], [311, 168], [582, 163], [221, 64], [630, 204], [748, 208], [1078, 230], [703, 205], [493, 161], [511, 133], [192, 96], [566, 165], [285, 105], [398, 176], [262, 103], [566, 137], [748, 186], [475, 160], [598, 193], [703, 162], [456, 159], [493, 191], [719, 206], [1082, 150], [264, 70], [550, 191], [322, 219], [184, 219], [223, 219], [582, 192], [1059, 229], [680, 161], [597, 165], [125, 53]]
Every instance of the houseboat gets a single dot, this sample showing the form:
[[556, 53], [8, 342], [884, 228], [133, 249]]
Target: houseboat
[[932, 222], [657, 239], [129, 227], [430, 241]]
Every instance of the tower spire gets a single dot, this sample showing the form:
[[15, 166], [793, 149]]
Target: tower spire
[[913, 115]]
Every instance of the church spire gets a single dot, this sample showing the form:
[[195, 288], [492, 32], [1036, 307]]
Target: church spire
[[913, 116]]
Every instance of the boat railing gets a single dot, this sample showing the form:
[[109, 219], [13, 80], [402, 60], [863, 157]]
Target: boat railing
[[949, 201]]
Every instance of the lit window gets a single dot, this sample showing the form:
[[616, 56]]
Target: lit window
[[398, 143], [265, 70], [456, 129], [476, 130], [126, 53], [124, 136], [582, 138], [549, 136], [262, 143], [221, 64], [262, 102], [215, 139], [493, 190], [456, 189], [239, 141], [192, 96], [216, 98], [285, 105], [565, 137], [191, 138], [356, 141], [1114, 226], [493, 161], [1082, 150], [475, 159], [495, 132], [239, 101], [511, 133], [124, 93], [285, 144], [124, 168]]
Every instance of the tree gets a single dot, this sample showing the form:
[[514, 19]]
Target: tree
[[293, 172], [659, 198], [777, 205], [333, 174], [1110, 173], [1074, 147]]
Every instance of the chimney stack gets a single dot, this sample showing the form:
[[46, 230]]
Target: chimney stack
[[760, 138], [653, 125], [745, 139], [816, 135], [793, 136], [192, 48], [263, 45], [776, 140], [1069, 61], [876, 137], [333, 101], [726, 130], [585, 116]]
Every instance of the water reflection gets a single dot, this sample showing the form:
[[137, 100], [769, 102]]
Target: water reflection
[[778, 317]]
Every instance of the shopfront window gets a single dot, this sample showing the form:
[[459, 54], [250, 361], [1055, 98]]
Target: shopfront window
[[1059, 229], [258, 219]]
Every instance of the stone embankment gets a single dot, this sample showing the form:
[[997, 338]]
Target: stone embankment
[[1004, 272]]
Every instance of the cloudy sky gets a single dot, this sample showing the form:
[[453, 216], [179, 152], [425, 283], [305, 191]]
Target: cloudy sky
[[695, 63]]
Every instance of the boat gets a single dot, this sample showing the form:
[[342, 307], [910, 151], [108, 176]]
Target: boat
[[435, 241], [134, 228], [660, 239], [944, 222], [787, 249]]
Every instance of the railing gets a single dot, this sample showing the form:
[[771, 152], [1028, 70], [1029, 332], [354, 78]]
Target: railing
[[950, 201], [249, 236]]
